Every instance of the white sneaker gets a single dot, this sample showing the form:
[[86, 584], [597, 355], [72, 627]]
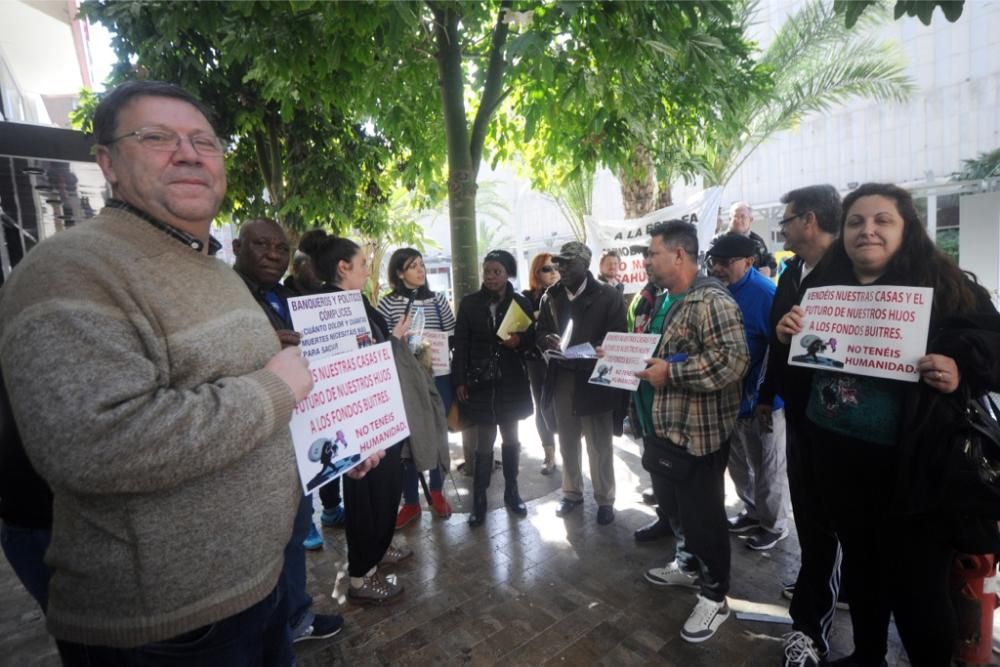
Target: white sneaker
[[671, 575], [800, 651], [704, 620]]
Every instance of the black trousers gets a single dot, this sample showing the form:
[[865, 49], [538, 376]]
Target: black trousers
[[696, 509], [486, 435], [816, 589], [896, 565], [329, 495], [371, 504]]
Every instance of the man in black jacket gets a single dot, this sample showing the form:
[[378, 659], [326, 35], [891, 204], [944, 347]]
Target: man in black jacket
[[810, 225], [581, 409], [262, 254]]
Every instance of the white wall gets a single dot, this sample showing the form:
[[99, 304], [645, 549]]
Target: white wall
[[954, 115]]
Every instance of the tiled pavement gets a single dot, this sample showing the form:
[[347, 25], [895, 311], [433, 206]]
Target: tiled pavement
[[540, 590]]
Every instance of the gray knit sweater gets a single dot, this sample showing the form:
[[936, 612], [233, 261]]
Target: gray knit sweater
[[134, 367]]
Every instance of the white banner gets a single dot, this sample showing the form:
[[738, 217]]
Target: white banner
[[630, 237], [354, 410], [330, 323], [880, 331]]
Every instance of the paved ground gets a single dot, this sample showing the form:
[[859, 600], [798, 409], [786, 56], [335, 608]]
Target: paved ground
[[541, 590]]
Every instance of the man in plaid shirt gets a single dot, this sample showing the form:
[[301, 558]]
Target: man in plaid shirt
[[686, 409]]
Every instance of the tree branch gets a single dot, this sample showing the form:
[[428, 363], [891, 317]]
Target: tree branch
[[492, 89]]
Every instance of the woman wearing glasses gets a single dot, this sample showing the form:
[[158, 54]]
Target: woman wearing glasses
[[543, 274]]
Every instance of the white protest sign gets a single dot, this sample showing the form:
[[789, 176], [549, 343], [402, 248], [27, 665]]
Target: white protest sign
[[629, 238], [624, 355], [880, 331], [330, 323], [440, 363], [354, 410]]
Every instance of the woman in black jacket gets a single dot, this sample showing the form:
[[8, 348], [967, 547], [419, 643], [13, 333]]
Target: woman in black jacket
[[491, 381], [881, 446], [370, 502]]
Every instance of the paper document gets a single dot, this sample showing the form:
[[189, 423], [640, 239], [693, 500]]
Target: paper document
[[515, 321]]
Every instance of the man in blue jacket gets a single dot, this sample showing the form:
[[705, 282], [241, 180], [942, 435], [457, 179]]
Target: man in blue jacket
[[757, 456]]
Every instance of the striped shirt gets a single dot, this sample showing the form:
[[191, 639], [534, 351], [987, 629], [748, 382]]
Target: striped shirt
[[437, 312]]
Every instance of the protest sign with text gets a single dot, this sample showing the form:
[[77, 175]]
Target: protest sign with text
[[330, 323], [879, 331], [440, 359], [624, 355], [354, 410]]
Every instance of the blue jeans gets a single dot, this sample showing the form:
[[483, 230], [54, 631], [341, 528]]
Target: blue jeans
[[25, 551], [293, 575], [411, 490], [256, 637]]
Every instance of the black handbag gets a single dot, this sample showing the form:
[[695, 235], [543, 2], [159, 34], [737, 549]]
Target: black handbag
[[974, 472], [486, 374], [662, 457]]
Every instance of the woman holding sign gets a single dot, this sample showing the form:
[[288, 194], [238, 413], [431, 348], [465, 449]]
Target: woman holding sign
[[408, 278], [370, 502], [491, 381], [881, 444]]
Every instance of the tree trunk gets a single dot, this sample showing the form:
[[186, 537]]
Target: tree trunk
[[638, 185], [465, 147], [664, 195], [461, 176]]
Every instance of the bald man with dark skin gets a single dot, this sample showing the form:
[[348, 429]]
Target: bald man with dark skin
[[262, 254]]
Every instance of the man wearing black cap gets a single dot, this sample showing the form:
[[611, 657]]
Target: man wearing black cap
[[757, 453], [581, 409]]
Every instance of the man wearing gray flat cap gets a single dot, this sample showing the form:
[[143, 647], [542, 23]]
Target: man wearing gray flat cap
[[582, 410]]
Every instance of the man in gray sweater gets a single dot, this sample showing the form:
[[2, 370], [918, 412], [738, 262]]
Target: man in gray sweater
[[151, 393]]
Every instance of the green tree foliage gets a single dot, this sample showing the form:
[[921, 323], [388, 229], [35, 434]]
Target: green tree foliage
[[852, 10], [298, 152], [986, 165], [619, 82], [330, 103]]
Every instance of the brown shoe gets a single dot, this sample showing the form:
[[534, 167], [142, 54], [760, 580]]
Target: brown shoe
[[376, 590], [396, 554]]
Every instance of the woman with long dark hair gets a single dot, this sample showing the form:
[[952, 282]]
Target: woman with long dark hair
[[408, 278], [543, 274], [370, 502], [879, 444], [491, 381]]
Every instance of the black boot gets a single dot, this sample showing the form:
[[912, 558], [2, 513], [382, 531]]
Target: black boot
[[511, 455], [482, 468]]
